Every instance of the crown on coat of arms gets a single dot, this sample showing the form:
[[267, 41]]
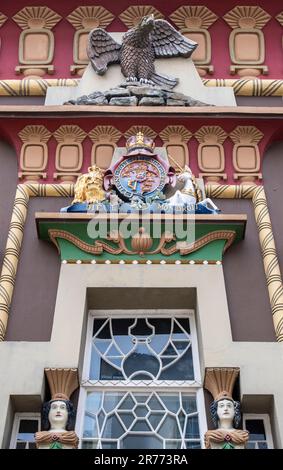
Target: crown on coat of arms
[[140, 141]]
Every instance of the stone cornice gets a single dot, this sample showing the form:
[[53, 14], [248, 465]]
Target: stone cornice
[[255, 112], [221, 112]]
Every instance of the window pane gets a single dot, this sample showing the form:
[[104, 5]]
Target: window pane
[[257, 437], [111, 400], [256, 429], [113, 428], [90, 429], [193, 445], [21, 445], [89, 444], [108, 445], [32, 445], [251, 445], [183, 368], [262, 445], [141, 411], [192, 429], [142, 420], [25, 437], [173, 444], [28, 426], [141, 349], [141, 442]]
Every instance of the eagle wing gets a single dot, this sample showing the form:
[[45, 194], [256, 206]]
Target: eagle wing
[[102, 50], [168, 42]]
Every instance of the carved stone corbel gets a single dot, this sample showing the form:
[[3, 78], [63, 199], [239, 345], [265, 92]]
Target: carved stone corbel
[[211, 155], [194, 22], [104, 140], [84, 19], [246, 42], [175, 140], [69, 152], [34, 153], [36, 43], [246, 156]]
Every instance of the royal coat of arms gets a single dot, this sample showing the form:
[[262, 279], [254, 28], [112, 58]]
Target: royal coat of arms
[[140, 172], [138, 179]]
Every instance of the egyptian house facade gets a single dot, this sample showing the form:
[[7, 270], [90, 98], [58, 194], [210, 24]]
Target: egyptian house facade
[[76, 320]]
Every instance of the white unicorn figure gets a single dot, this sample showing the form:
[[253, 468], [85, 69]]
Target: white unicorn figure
[[187, 195], [190, 194]]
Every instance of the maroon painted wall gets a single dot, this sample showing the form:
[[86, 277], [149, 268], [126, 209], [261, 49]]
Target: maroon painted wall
[[34, 296], [8, 184], [247, 295], [273, 184]]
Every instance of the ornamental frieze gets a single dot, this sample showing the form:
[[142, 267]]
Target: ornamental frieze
[[250, 45], [63, 154]]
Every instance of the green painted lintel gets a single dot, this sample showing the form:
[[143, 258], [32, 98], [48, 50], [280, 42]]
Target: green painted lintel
[[152, 237]]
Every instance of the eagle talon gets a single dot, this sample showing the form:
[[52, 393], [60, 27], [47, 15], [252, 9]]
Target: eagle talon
[[131, 79], [145, 81]]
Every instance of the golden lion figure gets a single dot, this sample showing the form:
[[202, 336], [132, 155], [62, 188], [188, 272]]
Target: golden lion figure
[[89, 186]]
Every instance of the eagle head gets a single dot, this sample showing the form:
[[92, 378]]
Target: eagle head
[[146, 24]]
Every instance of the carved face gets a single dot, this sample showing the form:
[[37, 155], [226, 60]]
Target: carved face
[[94, 180], [225, 411], [95, 172], [58, 415]]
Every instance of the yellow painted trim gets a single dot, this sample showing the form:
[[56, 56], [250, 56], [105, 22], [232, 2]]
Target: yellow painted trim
[[248, 87], [32, 87], [242, 87]]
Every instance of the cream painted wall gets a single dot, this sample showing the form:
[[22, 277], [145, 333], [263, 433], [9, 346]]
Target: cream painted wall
[[260, 363]]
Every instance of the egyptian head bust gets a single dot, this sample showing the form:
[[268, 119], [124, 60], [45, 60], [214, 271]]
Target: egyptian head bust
[[225, 411], [58, 414]]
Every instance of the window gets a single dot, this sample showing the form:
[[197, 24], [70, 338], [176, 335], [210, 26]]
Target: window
[[24, 427], [260, 431], [141, 382]]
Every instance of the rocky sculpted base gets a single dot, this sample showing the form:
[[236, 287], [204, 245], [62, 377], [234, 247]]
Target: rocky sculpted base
[[136, 94]]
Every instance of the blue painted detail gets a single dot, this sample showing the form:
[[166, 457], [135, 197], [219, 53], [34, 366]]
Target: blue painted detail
[[159, 207]]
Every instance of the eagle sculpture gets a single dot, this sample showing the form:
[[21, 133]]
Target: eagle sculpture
[[140, 46]]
